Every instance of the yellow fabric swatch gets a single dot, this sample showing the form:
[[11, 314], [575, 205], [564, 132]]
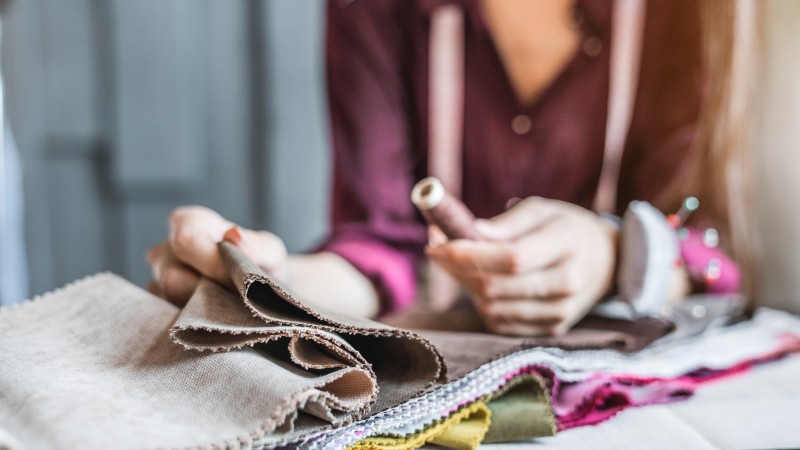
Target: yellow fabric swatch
[[467, 434], [463, 430]]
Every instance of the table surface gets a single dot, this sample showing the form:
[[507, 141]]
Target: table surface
[[757, 409]]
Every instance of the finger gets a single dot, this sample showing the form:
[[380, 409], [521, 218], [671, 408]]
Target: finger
[[194, 234], [480, 284], [534, 251], [199, 216], [533, 312], [171, 279], [436, 236], [152, 287], [525, 216], [512, 202], [559, 317], [512, 325], [552, 283], [465, 256], [528, 329], [542, 248], [535, 286], [263, 248]]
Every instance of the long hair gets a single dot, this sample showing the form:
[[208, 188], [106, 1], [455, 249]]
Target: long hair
[[720, 173]]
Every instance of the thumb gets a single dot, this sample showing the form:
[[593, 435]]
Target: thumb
[[263, 248]]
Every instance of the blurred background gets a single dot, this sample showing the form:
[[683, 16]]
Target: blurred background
[[124, 109]]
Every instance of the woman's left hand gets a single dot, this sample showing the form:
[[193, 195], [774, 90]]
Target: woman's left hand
[[541, 266]]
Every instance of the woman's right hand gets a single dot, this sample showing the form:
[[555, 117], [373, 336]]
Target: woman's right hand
[[191, 252]]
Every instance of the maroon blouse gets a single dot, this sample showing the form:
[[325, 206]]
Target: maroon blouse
[[377, 74]]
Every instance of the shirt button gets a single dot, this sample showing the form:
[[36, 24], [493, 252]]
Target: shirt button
[[592, 46], [521, 124]]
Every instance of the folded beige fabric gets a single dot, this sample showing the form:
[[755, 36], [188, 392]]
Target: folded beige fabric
[[92, 365]]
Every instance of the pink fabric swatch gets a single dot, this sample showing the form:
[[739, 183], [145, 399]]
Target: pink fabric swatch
[[603, 395]]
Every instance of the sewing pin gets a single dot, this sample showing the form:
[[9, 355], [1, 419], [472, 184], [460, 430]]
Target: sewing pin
[[689, 205]]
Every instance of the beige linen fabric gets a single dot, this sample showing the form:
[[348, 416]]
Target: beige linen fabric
[[92, 366]]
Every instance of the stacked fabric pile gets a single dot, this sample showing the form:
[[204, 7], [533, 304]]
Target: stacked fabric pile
[[104, 364], [585, 387]]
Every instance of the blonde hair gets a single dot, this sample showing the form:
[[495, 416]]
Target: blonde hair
[[720, 173]]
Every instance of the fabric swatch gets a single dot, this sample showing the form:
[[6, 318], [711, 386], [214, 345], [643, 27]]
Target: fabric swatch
[[92, 366], [718, 348], [604, 395], [521, 410], [466, 434], [464, 430]]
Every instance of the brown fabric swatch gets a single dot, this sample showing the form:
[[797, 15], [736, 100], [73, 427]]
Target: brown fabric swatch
[[470, 346], [403, 363]]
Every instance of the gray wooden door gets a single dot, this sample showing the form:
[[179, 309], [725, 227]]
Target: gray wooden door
[[125, 109]]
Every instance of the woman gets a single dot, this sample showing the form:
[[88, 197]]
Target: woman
[[533, 124]]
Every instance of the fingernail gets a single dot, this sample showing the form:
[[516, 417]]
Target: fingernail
[[430, 251], [234, 235], [512, 202], [435, 241], [435, 236]]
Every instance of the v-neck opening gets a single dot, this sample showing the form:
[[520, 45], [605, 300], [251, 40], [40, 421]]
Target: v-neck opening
[[520, 105]]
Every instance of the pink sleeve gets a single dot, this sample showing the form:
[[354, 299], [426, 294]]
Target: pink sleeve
[[374, 225]]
